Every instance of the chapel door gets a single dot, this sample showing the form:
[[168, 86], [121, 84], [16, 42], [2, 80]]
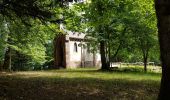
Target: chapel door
[[60, 61]]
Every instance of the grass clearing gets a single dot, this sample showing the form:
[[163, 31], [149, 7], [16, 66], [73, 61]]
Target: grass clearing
[[81, 84]]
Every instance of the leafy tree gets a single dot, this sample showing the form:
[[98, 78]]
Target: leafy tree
[[29, 41], [21, 13], [116, 26], [145, 29], [99, 17]]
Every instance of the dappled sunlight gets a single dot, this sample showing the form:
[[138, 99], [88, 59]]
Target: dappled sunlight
[[84, 49], [80, 84], [92, 73]]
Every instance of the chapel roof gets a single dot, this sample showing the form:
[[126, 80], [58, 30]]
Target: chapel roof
[[76, 35]]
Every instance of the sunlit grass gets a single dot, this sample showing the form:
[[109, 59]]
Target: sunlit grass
[[88, 73], [81, 84]]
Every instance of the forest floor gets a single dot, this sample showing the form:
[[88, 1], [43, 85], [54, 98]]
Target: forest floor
[[79, 84]]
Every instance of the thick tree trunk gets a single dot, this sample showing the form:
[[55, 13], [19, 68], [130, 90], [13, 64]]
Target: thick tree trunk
[[103, 56], [163, 16], [7, 60]]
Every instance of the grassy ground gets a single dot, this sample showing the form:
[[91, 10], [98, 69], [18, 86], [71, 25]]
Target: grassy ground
[[79, 84]]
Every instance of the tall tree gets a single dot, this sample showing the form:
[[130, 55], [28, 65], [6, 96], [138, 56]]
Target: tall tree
[[143, 26], [26, 40], [22, 11], [99, 16], [163, 17]]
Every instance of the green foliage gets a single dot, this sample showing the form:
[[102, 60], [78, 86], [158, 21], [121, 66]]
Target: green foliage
[[29, 41], [74, 17], [128, 27], [26, 28], [26, 9]]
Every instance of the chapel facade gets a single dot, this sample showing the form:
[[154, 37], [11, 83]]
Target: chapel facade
[[70, 52]]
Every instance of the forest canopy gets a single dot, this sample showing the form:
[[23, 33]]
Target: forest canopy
[[124, 31]]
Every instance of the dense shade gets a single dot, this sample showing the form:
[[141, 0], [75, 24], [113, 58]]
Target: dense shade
[[24, 8]]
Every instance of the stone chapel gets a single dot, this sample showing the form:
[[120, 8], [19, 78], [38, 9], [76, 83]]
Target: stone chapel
[[70, 53]]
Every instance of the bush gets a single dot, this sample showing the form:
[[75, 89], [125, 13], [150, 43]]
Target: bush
[[49, 64]]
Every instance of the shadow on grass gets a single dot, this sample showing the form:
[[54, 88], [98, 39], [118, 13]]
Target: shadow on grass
[[116, 70], [43, 88]]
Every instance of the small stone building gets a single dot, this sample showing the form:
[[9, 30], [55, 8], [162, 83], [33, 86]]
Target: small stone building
[[70, 52]]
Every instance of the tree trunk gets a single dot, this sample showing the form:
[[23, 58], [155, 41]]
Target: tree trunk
[[117, 51], [7, 61], [145, 63], [163, 16], [103, 56], [109, 55], [1, 67], [145, 52]]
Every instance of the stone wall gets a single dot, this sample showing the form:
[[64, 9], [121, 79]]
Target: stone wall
[[84, 64], [68, 57], [82, 58]]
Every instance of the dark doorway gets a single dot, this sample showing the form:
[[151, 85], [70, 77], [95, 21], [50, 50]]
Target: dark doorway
[[60, 61]]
